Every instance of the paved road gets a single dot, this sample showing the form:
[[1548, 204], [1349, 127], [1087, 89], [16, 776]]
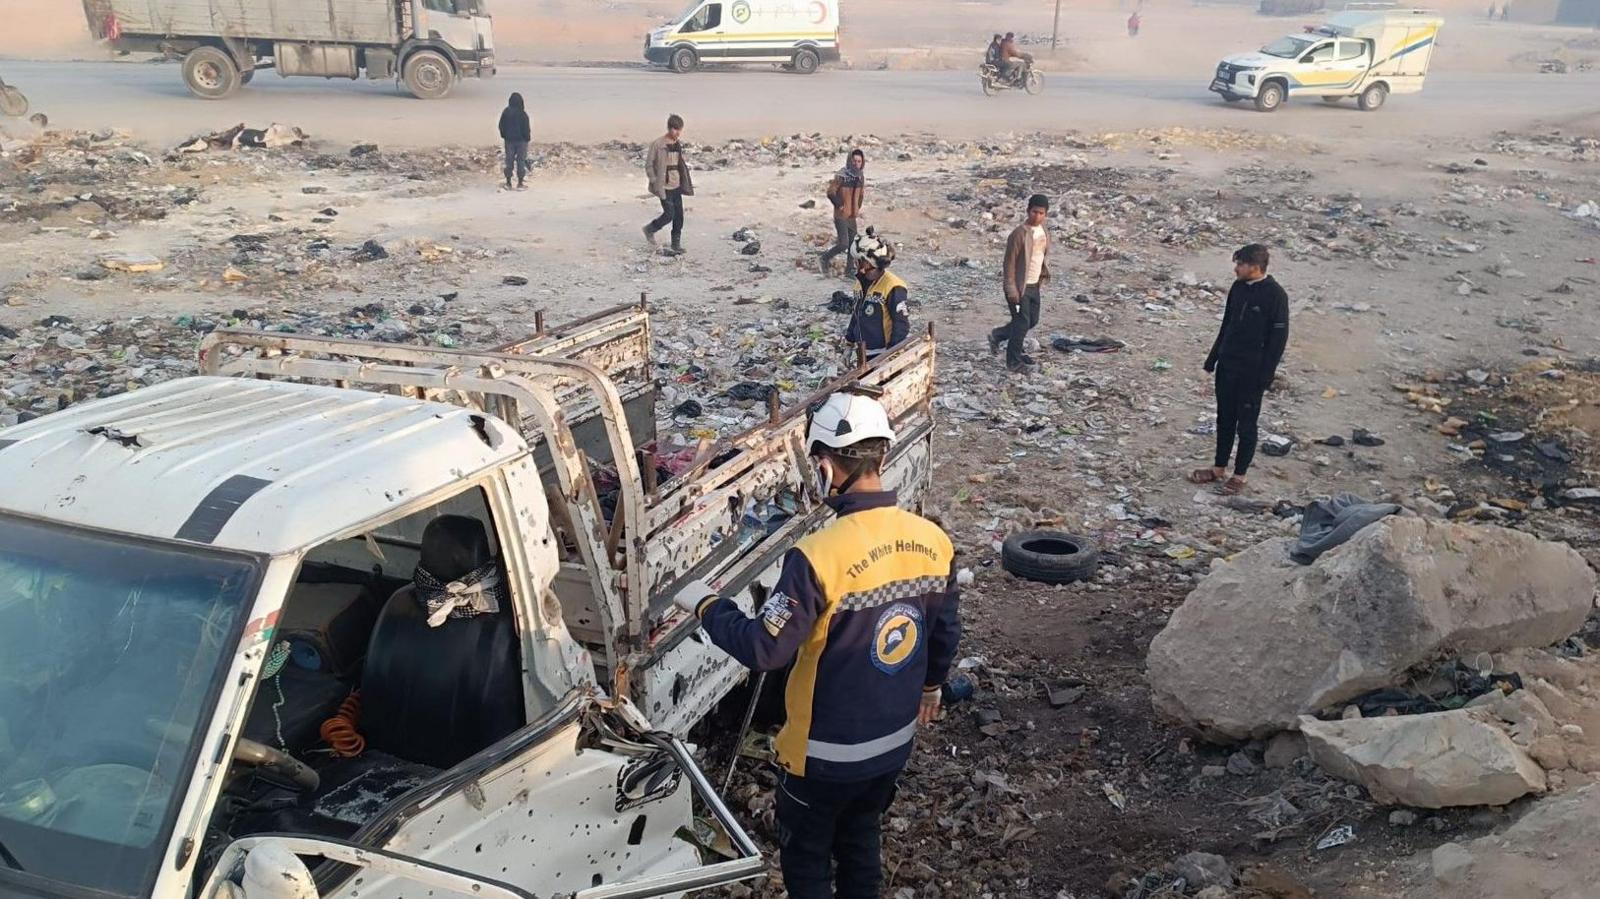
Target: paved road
[[593, 104]]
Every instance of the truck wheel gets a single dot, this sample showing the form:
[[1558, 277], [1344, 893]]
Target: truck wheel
[[1373, 97], [428, 75], [1050, 557], [683, 61], [1270, 96], [805, 62], [210, 73]]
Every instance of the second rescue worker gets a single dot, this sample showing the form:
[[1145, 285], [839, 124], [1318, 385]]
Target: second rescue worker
[[880, 319], [866, 609]]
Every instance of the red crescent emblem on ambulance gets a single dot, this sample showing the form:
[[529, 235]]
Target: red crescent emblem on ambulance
[[820, 12]]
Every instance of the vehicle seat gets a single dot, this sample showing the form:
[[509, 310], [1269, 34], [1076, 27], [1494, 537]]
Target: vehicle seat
[[436, 695]]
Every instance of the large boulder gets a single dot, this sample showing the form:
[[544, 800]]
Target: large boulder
[[1548, 854], [1263, 640], [1426, 761]]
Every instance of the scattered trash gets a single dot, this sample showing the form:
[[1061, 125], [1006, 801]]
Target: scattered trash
[[1115, 796], [1337, 836], [514, 281], [1276, 445], [751, 248], [133, 263], [1076, 344]]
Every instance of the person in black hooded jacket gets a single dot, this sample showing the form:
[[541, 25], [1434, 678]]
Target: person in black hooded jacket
[[516, 131]]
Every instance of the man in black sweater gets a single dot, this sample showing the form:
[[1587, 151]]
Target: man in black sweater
[[1244, 357]]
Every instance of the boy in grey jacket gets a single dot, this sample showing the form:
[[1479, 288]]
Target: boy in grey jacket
[[668, 173]]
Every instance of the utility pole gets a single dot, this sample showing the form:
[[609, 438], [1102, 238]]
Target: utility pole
[[1056, 28]]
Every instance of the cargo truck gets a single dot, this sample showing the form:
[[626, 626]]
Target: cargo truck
[[223, 674], [427, 44], [1362, 54]]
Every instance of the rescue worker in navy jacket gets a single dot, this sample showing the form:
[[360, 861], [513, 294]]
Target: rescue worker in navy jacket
[[866, 610], [881, 317]]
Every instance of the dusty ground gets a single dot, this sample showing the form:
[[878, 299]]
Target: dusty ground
[[1430, 276]]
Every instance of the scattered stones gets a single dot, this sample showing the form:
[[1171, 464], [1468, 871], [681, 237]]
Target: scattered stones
[[1426, 761], [369, 251], [1284, 749], [1201, 870]]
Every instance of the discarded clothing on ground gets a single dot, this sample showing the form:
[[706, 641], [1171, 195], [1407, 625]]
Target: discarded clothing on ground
[[1078, 344], [1330, 522]]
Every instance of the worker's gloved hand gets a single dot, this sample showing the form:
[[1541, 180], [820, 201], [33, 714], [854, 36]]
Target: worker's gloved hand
[[692, 595], [1211, 367], [929, 709]]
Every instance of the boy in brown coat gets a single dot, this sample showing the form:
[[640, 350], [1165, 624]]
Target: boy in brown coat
[[1024, 272], [668, 173], [847, 191]]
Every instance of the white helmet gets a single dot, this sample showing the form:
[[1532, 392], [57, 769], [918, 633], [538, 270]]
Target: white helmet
[[874, 249], [845, 419]]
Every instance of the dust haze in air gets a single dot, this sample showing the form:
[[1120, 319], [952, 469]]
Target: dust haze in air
[[1178, 37]]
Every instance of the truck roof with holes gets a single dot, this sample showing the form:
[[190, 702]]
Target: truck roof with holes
[[263, 466]]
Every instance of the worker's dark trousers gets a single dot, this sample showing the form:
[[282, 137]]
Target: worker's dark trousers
[[1238, 408], [824, 823]]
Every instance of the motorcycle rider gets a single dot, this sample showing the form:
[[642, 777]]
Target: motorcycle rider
[[1011, 59], [991, 56]]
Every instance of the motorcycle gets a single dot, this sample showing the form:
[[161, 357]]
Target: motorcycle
[[1027, 78]]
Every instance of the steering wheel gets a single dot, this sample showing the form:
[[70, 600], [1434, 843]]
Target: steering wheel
[[276, 765]]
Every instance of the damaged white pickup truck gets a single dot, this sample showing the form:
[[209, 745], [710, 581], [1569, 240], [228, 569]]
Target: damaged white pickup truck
[[345, 619]]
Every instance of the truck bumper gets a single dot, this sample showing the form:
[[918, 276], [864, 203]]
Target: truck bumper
[[657, 55], [1244, 88], [476, 63]]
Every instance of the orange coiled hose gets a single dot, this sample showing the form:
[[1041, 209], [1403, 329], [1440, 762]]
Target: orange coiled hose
[[340, 731]]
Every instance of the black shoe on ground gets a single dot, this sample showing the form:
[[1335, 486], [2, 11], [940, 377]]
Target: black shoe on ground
[[994, 343]]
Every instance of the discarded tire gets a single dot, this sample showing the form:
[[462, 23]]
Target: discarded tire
[[1050, 557]]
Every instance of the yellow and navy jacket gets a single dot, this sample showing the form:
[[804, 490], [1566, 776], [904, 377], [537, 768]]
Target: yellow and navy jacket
[[882, 317], [867, 611]]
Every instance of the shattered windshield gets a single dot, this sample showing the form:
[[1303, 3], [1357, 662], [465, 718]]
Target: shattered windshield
[[1287, 47], [109, 650]]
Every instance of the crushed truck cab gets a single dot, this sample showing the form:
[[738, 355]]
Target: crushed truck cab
[[226, 669], [1365, 54]]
